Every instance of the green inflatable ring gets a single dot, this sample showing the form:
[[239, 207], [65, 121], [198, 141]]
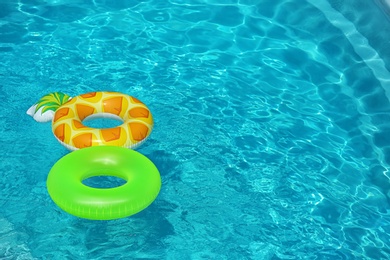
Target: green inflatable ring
[[66, 189]]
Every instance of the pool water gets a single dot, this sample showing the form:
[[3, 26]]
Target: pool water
[[272, 122]]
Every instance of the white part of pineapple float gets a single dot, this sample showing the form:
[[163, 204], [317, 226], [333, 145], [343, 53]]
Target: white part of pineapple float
[[44, 109]]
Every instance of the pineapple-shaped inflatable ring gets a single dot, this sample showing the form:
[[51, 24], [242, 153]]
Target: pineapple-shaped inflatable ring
[[67, 115]]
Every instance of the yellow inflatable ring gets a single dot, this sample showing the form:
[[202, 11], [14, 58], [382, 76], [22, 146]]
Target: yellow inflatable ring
[[68, 127]]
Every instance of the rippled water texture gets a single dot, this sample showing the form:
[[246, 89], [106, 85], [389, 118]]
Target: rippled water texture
[[271, 126]]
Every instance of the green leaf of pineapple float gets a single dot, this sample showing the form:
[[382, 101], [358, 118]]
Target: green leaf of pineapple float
[[43, 110]]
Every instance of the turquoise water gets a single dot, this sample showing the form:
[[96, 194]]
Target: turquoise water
[[272, 122]]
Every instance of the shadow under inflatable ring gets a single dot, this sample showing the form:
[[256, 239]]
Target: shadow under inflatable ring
[[66, 189]]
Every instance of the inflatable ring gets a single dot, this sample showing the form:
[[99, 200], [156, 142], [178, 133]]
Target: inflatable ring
[[66, 189], [68, 127]]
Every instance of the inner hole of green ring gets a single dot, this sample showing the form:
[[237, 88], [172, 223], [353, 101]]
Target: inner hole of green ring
[[103, 179], [102, 121]]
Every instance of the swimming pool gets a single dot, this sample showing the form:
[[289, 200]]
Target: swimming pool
[[271, 126]]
